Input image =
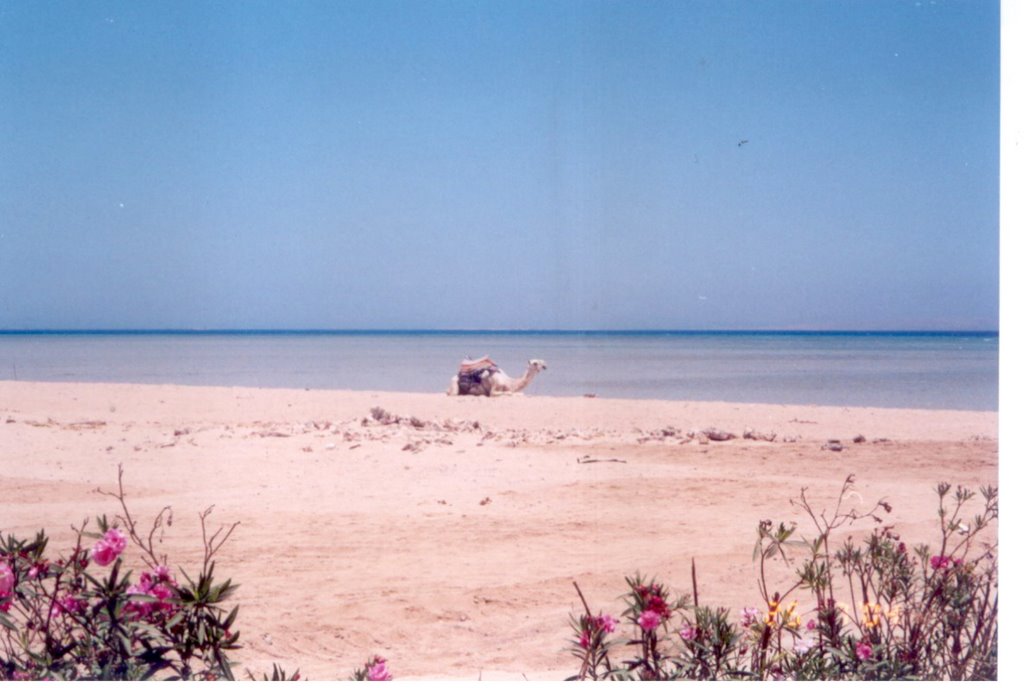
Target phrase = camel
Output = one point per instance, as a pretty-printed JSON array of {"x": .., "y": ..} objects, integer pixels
[{"x": 483, "y": 377}]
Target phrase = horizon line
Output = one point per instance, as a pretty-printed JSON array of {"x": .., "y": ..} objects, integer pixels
[{"x": 497, "y": 331}]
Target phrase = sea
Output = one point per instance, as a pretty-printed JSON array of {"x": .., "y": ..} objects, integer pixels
[{"x": 927, "y": 370}]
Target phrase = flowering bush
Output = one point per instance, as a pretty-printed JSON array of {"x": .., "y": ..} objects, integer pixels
[
  {"x": 876, "y": 610},
  {"x": 82, "y": 616},
  {"x": 376, "y": 669}
]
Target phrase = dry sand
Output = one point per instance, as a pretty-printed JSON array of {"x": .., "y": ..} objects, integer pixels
[{"x": 449, "y": 543}]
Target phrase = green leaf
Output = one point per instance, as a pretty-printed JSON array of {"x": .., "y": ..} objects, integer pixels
[{"x": 231, "y": 617}]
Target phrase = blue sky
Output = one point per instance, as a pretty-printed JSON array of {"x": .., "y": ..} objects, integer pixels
[{"x": 500, "y": 164}]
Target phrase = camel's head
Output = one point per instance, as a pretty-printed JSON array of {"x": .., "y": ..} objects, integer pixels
[{"x": 537, "y": 365}]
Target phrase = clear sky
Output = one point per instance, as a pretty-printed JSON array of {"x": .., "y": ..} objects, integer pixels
[{"x": 669, "y": 165}]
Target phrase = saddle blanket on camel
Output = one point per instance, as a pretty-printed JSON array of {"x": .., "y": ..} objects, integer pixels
[{"x": 473, "y": 372}]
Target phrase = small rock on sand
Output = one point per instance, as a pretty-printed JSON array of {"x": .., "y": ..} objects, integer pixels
[
  {"x": 751, "y": 434},
  {"x": 717, "y": 435}
]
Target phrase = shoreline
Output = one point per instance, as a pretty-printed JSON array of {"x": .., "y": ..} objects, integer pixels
[
  {"x": 445, "y": 532},
  {"x": 637, "y": 399}
]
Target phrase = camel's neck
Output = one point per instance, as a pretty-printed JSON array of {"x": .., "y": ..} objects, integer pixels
[{"x": 520, "y": 383}]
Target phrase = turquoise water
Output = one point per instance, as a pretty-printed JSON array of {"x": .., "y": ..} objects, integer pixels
[{"x": 949, "y": 371}]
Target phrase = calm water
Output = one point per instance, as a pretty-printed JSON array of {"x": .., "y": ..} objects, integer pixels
[{"x": 954, "y": 371}]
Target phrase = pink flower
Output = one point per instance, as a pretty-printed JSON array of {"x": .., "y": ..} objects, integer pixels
[
  {"x": 748, "y": 616},
  {"x": 161, "y": 591},
  {"x": 158, "y": 583},
  {"x": 160, "y": 574},
  {"x": 109, "y": 548},
  {"x": 604, "y": 623},
  {"x": 658, "y": 605},
  {"x": 940, "y": 563},
  {"x": 102, "y": 553},
  {"x": 138, "y": 609},
  {"x": 67, "y": 604},
  {"x": 649, "y": 620},
  {"x": 378, "y": 670},
  {"x": 116, "y": 539},
  {"x": 688, "y": 632},
  {"x": 863, "y": 650},
  {"x": 37, "y": 570},
  {"x": 6, "y": 579},
  {"x": 811, "y": 625}
]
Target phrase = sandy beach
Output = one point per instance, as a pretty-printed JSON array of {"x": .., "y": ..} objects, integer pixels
[{"x": 445, "y": 533}]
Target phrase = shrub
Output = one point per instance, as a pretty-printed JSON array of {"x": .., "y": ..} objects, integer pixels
[
  {"x": 879, "y": 610},
  {"x": 84, "y": 616}
]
